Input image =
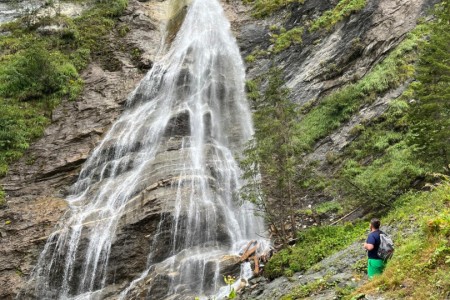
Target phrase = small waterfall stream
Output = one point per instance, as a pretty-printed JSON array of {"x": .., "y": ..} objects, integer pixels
[{"x": 182, "y": 129}]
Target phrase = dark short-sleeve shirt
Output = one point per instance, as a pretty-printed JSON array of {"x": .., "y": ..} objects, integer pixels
[{"x": 374, "y": 239}]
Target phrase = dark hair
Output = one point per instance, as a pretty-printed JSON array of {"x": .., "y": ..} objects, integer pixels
[{"x": 375, "y": 223}]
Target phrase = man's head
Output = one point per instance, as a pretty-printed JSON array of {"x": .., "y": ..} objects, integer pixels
[{"x": 375, "y": 224}]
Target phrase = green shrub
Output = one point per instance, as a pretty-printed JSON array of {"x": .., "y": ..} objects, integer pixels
[
  {"x": 342, "y": 10},
  {"x": 329, "y": 207},
  {"x": 2, "y": 197},
  {"x": 250, "y": 58},
  {"x": 313, "y": 245},
  {"x": 252, "y": 90},
  {"x": 286, "y": 38},
  {"x": 19, "y": 123},
  {"x": 31, "y": 74},
  {"x": 264, "y": 8}
]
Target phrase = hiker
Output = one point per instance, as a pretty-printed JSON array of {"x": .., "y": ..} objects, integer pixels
[{"x": 375, "y": 264}]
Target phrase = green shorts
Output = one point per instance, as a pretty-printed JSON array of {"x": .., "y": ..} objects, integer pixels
[{"x": 375, "y": 267}]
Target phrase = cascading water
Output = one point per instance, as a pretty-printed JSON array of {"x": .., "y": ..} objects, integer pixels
[{"x": 173, "y": 151}]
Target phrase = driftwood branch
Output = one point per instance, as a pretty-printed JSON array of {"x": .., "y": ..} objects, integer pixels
[{"x": 337, "y": 221}]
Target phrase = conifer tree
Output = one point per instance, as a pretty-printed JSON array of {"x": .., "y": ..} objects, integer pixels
[
  {"x": 270, "y": 160},
  {"x": 430, "y": 115}
]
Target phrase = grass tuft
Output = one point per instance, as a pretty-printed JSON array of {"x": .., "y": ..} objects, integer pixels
[{"x": 342, "y": 10}]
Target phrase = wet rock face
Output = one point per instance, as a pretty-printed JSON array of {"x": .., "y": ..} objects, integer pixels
[{"x": 23, "y": 230}]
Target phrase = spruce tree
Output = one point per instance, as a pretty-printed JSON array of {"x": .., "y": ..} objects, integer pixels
[
  {"x": 270, "y": 160},
  {"x": 430, "y": 115}
]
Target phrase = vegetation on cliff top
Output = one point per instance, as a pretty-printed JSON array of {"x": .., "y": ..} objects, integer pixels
[{"x": 39, "y": 69}]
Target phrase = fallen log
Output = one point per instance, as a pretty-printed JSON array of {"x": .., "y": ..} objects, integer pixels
[
  {"x": 249, "y": 252},
  {"x": 256, "y": 260}
]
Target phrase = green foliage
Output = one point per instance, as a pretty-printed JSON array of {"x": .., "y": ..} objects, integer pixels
[
  {"x": 285, "y": 38},
  {"x": 95, "y": 25},
  {"x": 430, "y": 115},
  {"x": 313, "y": 245},
  {"x": 250, "y": 58},
  {"x": 34, "y": 73},
  {"x": 342, "y": 10},
  {"x": 19, "y": 124},
  {"x": 270, "y": 160},
  {"x": 252, "y": 90},
  {"x": 2, "y": 197},
  {"x": 381, "y": 181},
  {"x": 37, "y": 71},
  {"x": 264, "y": 8},
  {"x": 360, "y": 266},
  {"x": 257, "y": 53},
  {"x": 329, "y": 207},
  {"x": 229, "y": 280}
]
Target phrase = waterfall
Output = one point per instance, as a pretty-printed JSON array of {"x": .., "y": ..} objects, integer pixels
[{"x": 170, "y": 155}]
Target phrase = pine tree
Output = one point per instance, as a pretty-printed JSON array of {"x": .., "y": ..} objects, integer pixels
[
  {"x": 430, "y": 116},
  {"x": 270, "y": 160}
]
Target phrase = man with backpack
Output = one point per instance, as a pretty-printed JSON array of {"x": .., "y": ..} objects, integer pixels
[{"x": 379, "y": 249}]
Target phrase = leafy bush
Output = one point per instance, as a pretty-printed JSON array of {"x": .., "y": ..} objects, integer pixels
[
  {"x": 313, "y": 245},
  {"x": 342, "y": 10},
  {"x": 34, "y": 73},
  {"x": 19, "y": 123},
  {"x": 285, "y": 38},
  {"x": 264, "y": 8},
  {"x": 329, "y": 207}
]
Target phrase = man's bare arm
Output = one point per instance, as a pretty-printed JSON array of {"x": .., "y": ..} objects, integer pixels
[{"x": 368, "y": 246}]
